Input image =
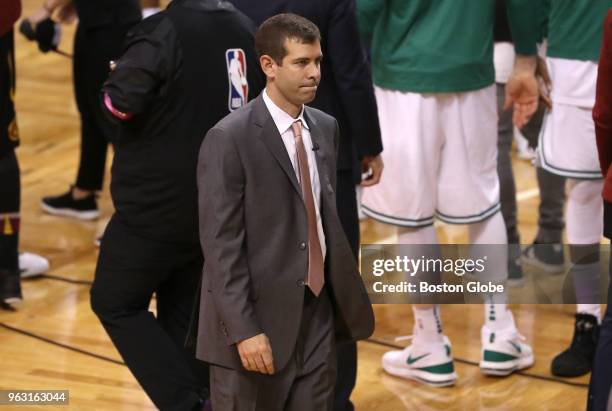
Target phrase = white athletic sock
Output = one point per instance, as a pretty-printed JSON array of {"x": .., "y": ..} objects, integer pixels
[
  {"x": 491, "y": 231},
  {"x": 421, "y": 242},
  {"x": 498, "y": 317},
  {"x": 592, "y": 309},
  {"x": 427, "y": 325}
]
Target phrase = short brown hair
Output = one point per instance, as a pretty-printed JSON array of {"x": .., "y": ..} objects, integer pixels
[{"x": 271, "y": 35}]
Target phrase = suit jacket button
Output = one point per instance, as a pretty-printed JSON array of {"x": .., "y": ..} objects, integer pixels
[
  {"x": 302, "y": 245},
  {"x": 300, "y": 283}
]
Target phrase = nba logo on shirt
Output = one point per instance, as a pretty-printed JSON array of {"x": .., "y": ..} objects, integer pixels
[{"x": 236, "y": 74}]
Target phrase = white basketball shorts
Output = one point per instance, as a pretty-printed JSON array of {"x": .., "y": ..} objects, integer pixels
[{"x": 440, "y": 155}]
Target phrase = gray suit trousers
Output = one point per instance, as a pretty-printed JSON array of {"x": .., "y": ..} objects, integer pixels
[{"x": 305, "y": 384}]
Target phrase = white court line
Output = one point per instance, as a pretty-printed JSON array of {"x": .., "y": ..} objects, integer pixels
[{"x": 527, "y": 194}]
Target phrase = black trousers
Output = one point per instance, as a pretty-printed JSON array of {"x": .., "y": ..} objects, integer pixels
[
  {"x": 9, "y": 133},
  {"x": 346, "y": 203},
  {"x": 601, "y": 374},
  {"x": 9, "y": 168},
  {"x": 9, "y": 211},
  {"x": 306, "y": 383},
  {"x": 130, "y": 270},
  {"x": 94, "y": 48}
]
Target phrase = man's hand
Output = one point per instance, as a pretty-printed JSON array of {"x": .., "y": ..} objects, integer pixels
[
  {"x": 67, "y": 14},
  {"x": 374, "y": 165},
  {"x": 522, "y": 91},
  {"x": 47, "y": 9},
  {"x": 256, "y": 354},
  {"x": 38, "y": 16}
]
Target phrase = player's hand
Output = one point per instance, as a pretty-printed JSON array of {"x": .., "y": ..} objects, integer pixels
[
  {"x": 256, "y": 354},
  {"x": 374, "y": 166},
  {"x": 67, "y": 14},
  {"x": 46, "y": 11},
  {"x": 38, "y": 16},
  {"x": 522, "y": 90}
]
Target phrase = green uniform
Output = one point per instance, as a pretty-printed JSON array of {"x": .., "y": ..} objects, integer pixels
[
  {"x": 436, "y": 46},
  {"x": 575, "y": 28}
]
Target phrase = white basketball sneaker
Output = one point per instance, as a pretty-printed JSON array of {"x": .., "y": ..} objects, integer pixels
[
  {"x": 504, "y": 352},
  {"x": 431, "y": 364}
]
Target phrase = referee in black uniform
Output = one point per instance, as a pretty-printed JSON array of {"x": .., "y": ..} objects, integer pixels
[
  {"x": 182, "y": 70},
  {"x": 102, "y": 25},
  {"x": 10, "y": 285}
]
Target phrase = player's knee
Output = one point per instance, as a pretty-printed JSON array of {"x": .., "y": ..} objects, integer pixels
[{"x": 585, "y": 192}]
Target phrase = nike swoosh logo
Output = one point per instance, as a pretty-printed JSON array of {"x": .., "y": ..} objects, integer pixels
[
  {"x": 413, "y": 360},
  {"x": 516, "y": 346}
]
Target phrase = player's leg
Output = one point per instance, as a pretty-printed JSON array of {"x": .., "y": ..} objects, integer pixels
[
  {"x": 584, "y": 231},
  {"x": 406, "y": 197},
  {"x": 469, "y": 194}
]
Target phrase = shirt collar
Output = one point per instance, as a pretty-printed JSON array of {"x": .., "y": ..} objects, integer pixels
[{"x": 282, "y": 119}]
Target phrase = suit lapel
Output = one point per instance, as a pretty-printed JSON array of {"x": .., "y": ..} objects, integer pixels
[
  {"x": 318, "y": 140},
  {"x": 273, "y": 141}
]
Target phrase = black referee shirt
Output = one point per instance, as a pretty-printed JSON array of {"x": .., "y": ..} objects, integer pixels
[{"x": 182, "y": 70}]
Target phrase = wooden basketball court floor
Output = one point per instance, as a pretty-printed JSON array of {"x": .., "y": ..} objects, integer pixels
[{"x": 54, "y": 341}]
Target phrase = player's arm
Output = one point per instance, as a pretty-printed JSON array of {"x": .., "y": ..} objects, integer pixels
[
  {"x": 602, "y": 112},
  {"x": 141, "y": 74},
  {"x": 522, "y": 90}
]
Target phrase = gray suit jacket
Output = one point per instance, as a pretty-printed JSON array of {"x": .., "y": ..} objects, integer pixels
[{"x": 253, "y": 230}]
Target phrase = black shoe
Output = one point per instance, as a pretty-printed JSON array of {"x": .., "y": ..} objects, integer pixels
[
  {"x": 515, "y": 273},
  {"x": 577, "y": 360},
  {"x": 549, "y": 258},
  {"x": 10, "y": 287},
  {"x": 65, "y": 205}
]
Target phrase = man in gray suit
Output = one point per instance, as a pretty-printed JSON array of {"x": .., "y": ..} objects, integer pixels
[{"x": 280, "y": 284}]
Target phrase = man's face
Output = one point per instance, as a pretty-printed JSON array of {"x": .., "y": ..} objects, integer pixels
[{"x": 298, "y": 76}]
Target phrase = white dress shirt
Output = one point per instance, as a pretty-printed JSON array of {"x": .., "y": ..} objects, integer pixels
[{"x": 283, "y": 122}]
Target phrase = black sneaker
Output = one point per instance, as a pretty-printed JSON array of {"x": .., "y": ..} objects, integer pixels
[
  {"x": 549, "y": 258},
  {"x": 578, "y": 358},
  {"x": 10, "y": 287},
  {"x": 65, "y": 205},
  {"x": 515, "y": 273}
]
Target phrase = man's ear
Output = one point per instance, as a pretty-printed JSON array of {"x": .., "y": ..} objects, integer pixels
[{"x": 268, "y": 66}]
